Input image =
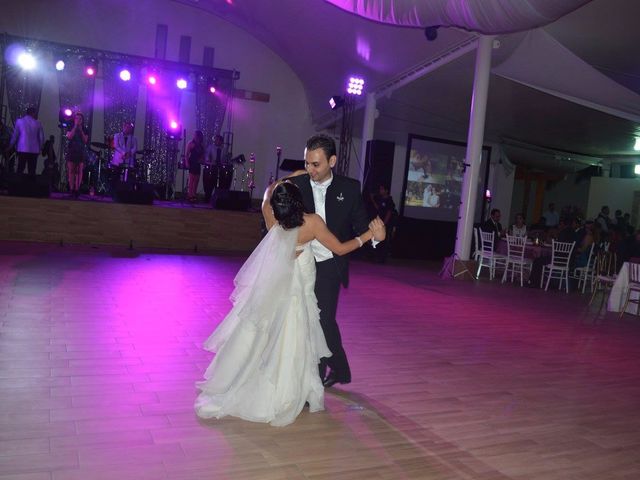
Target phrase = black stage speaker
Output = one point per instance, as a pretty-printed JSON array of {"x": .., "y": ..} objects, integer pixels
[
  {"x": 24, "y": 185},
  {"x": 230, "y": 200},
  {"x": 378, "y": 165},
  {"x": 137, "y": 193}
]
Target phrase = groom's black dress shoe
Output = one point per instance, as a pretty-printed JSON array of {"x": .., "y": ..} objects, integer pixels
[{"x": 330, "y": 380}]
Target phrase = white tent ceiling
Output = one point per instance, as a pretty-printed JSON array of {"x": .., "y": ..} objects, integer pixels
[{"x": 324, "y": 44}]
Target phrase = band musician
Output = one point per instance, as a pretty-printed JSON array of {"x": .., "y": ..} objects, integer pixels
[
  {"x": 213, "y": 161},
  {"x": 125, "y": 146}
]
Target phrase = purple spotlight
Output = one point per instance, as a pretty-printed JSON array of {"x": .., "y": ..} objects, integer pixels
[
  {"x": 152, "y": 79},
  {"x": 67, "y": 112},
  {"x": 173, "y": 125},
  {"x": 125, "y": 75},
  {"x": 181, "y": 83},
  {"x": 212, "y": 89},
  {"x": 90, "y": 71}
]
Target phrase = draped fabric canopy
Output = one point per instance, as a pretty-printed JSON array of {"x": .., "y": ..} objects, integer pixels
[{"x": 483, "y": 16}]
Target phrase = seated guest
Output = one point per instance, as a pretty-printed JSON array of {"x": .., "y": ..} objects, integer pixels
[
  {"x": 584, "y": 240},
  {"x": 519, "y": 229},
  {"x": 492, "y": 224},
  {"x": 629, "y": 248}
]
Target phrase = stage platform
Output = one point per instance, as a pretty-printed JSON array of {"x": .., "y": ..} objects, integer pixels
[{"x": 95, "y": 220}]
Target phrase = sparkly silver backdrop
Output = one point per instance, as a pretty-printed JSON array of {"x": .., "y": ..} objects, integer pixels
[
  {"x": 210, "y": 108},
  {"x": 76, "y": 88},
  {"x": 23, "y": 89},
  {"x": 120, "y": 98},
  {"x": 160, "y": 104}
]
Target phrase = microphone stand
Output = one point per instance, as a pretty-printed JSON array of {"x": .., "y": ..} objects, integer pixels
[{"x": 278, "y": 154}]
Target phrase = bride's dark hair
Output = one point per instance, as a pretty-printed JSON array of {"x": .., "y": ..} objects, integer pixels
[{"x": 286, "y": 201}]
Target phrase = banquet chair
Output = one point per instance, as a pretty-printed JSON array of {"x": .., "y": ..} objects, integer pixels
[
  {"x": 488, "y": 257},
  {"x": 585, "y": 274},
  {"x": 559, "y": 266},
  {"x": 516, "y": 263},
  {"x": 476, "y": 244},
  {"x": 604, "y": 275},
  {"x": 634, "y": 286}
]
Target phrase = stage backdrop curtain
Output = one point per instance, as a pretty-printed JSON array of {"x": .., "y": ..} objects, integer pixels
[
  {"x": 23, "y": 88},
  {"x": 76, "y": 88},
  {"x": 120, "y": 97},
  {"x": 483, "y": 16},
  {"x": 211, "y": 108},
  {"x": 163, "y": 105}
]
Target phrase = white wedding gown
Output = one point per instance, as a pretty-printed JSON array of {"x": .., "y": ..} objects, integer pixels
[{"x": 269, "y": 345}]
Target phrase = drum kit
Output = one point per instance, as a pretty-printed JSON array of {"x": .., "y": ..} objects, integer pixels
[{"x": 102, "y": 175}]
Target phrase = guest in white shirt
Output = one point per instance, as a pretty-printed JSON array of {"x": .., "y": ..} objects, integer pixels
[
  {"x": 519, "y": 229},
  {"x": 551, "y": 216},
  {"x": 28, "y": 137}
]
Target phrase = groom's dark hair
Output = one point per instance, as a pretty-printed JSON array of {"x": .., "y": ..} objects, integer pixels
[
  {"x": 325, "y": 142},
  {"x": 288, "y": 208}
]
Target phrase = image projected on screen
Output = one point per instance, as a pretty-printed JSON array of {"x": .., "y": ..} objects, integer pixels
[{"x": 434, "y": 173}]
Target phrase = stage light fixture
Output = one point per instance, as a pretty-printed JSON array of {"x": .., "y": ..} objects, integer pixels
[
  {"x": 27, "y": 61},
  {"x": 174, "y": 129},
  {"x": 125, "y": 75},
  {"x": 336, "y": 102},
  {"x": 65, "y": 117},
  {"x": 355, "y": 86},
  {"x": 212, "y": 89},
  {"x": 181, "y": 83},
  {"x": 91, "y": 68},
  {"x": 152, "y": 79},
  {"x": 60, "y": 65}
]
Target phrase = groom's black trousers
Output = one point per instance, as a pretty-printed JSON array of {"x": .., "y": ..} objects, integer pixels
[{"x": 327, "y": 290}]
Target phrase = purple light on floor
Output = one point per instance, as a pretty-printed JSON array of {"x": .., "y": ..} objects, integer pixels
[
  {"x": 181, "y": 83},
  {"x": 90, "y": 71},
  {"x": 125, "y": 75},
  {"x": 355, "y": 86},
  {"x": 67, "y": 112}
]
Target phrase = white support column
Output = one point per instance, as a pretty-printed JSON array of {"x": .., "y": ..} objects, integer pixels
[
  {"x": 367, "y": 130},
  {"x": 475, "y": 139}
]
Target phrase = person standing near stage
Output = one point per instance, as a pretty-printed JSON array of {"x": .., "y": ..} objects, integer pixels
[
  {"x": 50, "y": 171},
  {"x": 28, "y": 137},
  {"x": 194, "y": 157},
  {"x": 76, "y": 154},
  {"x": 338, "y": 200}
]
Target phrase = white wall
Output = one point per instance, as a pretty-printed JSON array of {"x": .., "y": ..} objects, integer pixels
[
  {"x": 617, "y": 193},
  {"x": 129, "y": 27}
]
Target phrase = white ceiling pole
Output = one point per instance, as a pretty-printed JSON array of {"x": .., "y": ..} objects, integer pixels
[
  {"x": 475, "y": 139},
  {"x": 367, "y": 131}
]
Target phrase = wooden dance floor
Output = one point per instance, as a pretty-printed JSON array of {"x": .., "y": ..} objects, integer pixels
[{"x": 100, "y": 350}]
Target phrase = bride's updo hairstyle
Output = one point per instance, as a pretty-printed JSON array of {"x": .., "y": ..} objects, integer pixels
[{"x": 286, "y": 201}]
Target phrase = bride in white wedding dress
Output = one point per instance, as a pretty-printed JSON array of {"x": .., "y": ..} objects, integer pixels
[{"x": 269, "y": 345}]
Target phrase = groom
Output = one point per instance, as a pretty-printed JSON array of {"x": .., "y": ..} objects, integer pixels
[{"x": 338, "y": 201}]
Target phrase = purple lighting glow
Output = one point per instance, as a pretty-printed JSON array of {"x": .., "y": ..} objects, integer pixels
[
  {"x": 60, "y": 65},
  {"x": 152, "y": 79},
  {"x": 91, "y": 71},
  {"x": 181, "y": 83},
  {"x": 355, "y": 86},
  {"x": 67, "y": 112},
  {"x": 173, "y": 125},
  {"x": 212, "y": 89},
  {"x": 125, "y": 75}
]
